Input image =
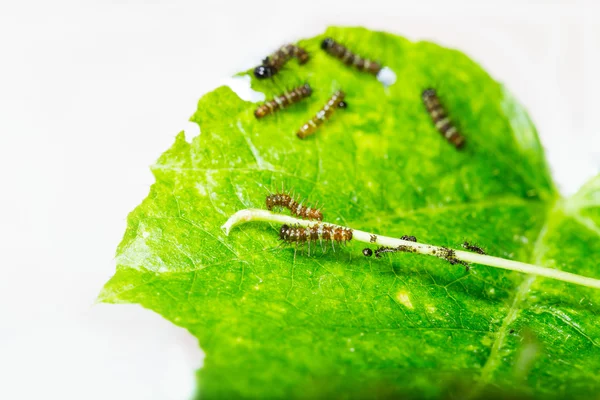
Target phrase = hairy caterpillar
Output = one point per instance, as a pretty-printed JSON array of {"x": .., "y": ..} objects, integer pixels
[
  {"x": 337, "y": 100},
  {"x": 440, "y": 118},
  {"x": 283, "y": 100},
  {"x": 473, "y": 248},
  {"x": 349, "y": 58},
  {"x": 272, "y": 64},
  {"x": 296, "y": 208},
  {"x": 316, "y": 233}
]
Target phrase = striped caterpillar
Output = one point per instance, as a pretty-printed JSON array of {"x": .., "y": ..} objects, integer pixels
[
  {"x": 349, "y": 58},
  {"x": 283, "y": 100},
  {"x": 309, "y": 128},
  {"x": 272, "y": 64},
  {"x": 297, "y": 209},
  {"x": 441, "y": 120},
  {"x": 316, "y": 233}
]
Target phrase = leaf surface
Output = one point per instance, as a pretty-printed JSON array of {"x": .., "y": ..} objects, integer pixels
[{"x": 276, "y": 323}]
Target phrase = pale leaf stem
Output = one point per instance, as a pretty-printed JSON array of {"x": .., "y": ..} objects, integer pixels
[{"x": 249, "y": 215}]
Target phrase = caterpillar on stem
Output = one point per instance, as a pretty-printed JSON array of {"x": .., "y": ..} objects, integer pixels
[
  {"x": 316, "y": 233},
  {"x": 286, "y": 200},
  {"x": 474, "y": 248},
  {"x": 249, "y": 215}
]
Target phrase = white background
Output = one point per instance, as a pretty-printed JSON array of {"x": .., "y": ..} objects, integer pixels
[{"x": 92, "y": 93}]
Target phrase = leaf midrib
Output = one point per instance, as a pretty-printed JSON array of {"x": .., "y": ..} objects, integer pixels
[{"x": 520, "y": 296}]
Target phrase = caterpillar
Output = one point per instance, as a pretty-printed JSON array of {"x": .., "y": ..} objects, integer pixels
[
  {"x": 316, "y": 233},
  {"x": 473, "y": 248},
  {"x": 349, "y": 58},
  {"x": 440, "y": 118},
  {"x": 272, "y": 64},
  {"x": 450, "y": 256},
  {"x": 283, "y": 100},
  {"x": 409, "y": 238},
  {"x": 367, "y": 252},
  {"x": 309, "y": 128},
  {"x": 379, "y": 251},
  {"x": 296, "y": 208}
]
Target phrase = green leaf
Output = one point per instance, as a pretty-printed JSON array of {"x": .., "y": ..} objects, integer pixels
[{"x": 276, "y": 323}]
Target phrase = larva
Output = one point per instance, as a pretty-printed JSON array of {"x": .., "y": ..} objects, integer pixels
[
  {"x": 349, "y": 58},
  {"x": 473, "y": 248},
  {"x": 272, "y": 64},
  {"x": 379, "y": 251},
  {"x": 296, "y": 208},
  {"x": 383, "y": 249},
  {"x": 450, "y": 256},
  {"x": 440, "y": 118},
  {"x": 311, "y": 126},
  {"x": 316, "y": 233},
  {"x": 367, "y": 252},
  {"x": 283, "y": 100}
]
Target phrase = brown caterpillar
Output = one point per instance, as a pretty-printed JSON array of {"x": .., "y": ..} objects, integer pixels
[
  {"x": 473, "y": 248},
  {"x": 309, "y": 128},
  {"x": 316, "y": 233},
  {"x": 283, "y": 100},
  {"x": 440, "y": 119},
  {"x": 272, "y": 64},
  {"x": 296, "y": 208},
  {"x": 349, "y": 58}
]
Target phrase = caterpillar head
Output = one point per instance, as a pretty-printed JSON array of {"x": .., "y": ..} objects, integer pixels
[
  {"x": 327, "y": 43},
  {"x": 284, "y": 232},
  {"x": 428, "y": 93},
  {"x": 264, "y": 71}
]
